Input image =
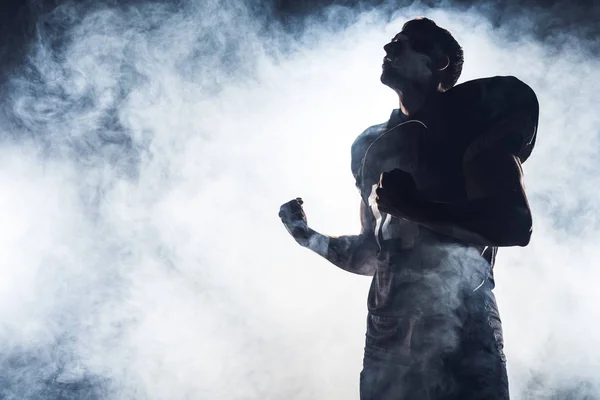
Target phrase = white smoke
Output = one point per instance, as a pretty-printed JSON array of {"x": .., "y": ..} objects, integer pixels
[{"x": 146, "y": 150}]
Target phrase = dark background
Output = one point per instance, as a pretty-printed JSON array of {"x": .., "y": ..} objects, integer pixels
[{"x": 574, "y": 18}]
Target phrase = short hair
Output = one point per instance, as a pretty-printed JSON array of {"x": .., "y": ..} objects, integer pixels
[{"x": 425, "y": 29}]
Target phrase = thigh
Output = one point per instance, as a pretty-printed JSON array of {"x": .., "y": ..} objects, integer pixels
[
  {"x": 480, "y": 367},
  {"x": 381, "y": 380},
  {"x": 482, "y": 376}
]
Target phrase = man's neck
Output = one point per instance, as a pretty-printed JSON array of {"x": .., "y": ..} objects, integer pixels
[
  {"x": 417, "y": 103},
  {"x": 413, "y": 100}
]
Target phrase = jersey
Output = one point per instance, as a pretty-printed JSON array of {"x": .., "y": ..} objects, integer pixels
[{"x": 431, "y": 148}]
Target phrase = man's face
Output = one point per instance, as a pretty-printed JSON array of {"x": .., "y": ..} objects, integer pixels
[{"x": 407, "y": 63}]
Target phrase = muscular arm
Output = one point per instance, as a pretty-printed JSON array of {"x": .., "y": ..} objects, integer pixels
[
  {"x": 499, "y": 218},
  {"x": 353, "y": 253},
  {"x": 356, "y": 253},
  {"x": 496, "y": 211}
]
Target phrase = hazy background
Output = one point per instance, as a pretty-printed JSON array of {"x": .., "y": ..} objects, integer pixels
[{"x": 145, "y": 149}]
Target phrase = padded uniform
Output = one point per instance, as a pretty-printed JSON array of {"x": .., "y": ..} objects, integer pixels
[{"x": 433, "y": 328}]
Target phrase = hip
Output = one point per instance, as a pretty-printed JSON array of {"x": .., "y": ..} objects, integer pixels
[{"x": 412, "y": 335}]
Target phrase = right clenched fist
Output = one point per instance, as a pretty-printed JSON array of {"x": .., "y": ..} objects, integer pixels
[{"x": 294, "y": 219}]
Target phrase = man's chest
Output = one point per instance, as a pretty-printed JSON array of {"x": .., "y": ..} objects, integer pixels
[{"x": 433, "y": 160}]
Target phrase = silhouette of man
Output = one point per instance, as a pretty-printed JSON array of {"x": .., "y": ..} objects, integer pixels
[{"x": 441, "y": 187}]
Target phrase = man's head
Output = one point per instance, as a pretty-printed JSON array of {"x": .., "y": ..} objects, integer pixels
[{"x": 423, "y": 57}]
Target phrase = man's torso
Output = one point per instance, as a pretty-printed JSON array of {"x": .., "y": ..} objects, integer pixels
[
  {"x": 433, "y": 325},
  {"x": 413, "y": 258}
]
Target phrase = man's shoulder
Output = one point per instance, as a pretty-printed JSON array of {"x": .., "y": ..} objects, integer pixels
[
  {"x": 362, "y": 143},
  {"x": 369, "y": 135}
]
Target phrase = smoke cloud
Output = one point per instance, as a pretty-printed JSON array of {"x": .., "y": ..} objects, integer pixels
[{"x": 145, "y": 151}]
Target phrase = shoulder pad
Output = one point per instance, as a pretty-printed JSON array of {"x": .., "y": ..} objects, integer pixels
[{"x": 360, "y": 146}]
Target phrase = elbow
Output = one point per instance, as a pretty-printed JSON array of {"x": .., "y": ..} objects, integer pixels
[
  {"x": 516, "y": 235},
  {"x": 525, "y": 230},
  {"x": 509, "y": 230},
  {"x": 369, "y": 270},
  {"x": 361, "y": 262},
  {"x": 511, "y": 241},
  {"x": 523, "y": 239},
  {"x": 518, "y": 228},
  {"x": 366, "y": 269}
]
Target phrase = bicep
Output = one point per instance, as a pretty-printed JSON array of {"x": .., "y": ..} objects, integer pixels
[
  {"x": 494, "y": 183},
  {"x": 491, "y": 164},
  {"x": 492, "y": 173},
  {"x": 498, "y": 178}
]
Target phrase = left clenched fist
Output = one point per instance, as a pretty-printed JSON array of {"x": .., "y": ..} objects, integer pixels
[{"x": 294, "y": 219}]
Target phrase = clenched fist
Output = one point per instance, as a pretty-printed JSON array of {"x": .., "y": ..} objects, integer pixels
[
  {"x": 397, "y": 195},
  {"x": 294, "y": 219}
]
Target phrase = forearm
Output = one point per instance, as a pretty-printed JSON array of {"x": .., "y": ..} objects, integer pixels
[
  {"x": 482, "y": 222},
  {"x": 354, "y": 253}
]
